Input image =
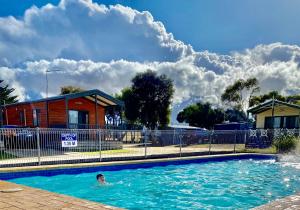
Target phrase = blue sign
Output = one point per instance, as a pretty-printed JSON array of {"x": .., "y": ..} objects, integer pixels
[{"x": 69, "y": 139}]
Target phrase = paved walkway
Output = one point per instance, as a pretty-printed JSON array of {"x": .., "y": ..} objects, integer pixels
[
  {"x": 35, "y": 199},
  {"x": 288, "y": 203}
]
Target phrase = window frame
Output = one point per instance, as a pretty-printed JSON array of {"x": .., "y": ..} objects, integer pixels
[
  {"x": 22, "y": 117},
  {"x": 283, "y": 122},
  {"x": 87, "y": 115},
  {"x": 36, "y": 114}
]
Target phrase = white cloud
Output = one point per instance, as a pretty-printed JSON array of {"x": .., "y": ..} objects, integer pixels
[
  {"x": 101, "y": 47},
  {"x": 192, "y": 81},
  {"x": 10, "y": 77},
  {"x": 80, "y": 29}
]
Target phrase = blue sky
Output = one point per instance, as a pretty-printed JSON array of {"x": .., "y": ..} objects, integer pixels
[
  {"x": 98, "y": 47},
  {"x": 216, "y": 25}
]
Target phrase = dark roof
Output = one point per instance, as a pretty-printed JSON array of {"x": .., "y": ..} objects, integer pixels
[
  {"x": 268, "y": 105},
  {"x": 102, "y": 98}
]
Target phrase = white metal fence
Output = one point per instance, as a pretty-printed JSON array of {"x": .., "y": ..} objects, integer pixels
[{"x": 28, "y": 146}]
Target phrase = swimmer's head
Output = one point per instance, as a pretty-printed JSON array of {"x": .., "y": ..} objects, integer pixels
[{"x": 100, "y": 178}]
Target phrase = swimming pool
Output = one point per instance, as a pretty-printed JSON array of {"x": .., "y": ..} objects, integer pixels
[{"x": 232, "y": 183}]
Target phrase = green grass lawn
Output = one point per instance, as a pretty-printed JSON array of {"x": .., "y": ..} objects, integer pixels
[
  {"x": 270, "y": 150},
  {"x": 225, "y": 146},
  {"x": 238, "y": 148},
  {"x": 4, "y": 155},
  {"x": 115, "y": 151}
]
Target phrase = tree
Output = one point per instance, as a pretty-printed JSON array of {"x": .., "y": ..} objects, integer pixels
[
  {"x": 234, "y": 115},
  {"x": 148, "y": 100},
  {"x": 236, "y": 95},
  {"x": 6, "y": 94},
  {"x": 201, "y": 115},
  {"x": 262, "y": 98},
  {"x": 70, "y": 89},
  {"x": 131, "y": 105},
  {"x": 276, "y": 95},
  {"x": 153, "y": 94},
  {"x": 6, "y": 97},
  {"x": 293, "y": 99}
]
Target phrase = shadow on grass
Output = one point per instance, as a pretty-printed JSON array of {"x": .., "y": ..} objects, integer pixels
[
  {"x": 269, "y": 150},
  {"x": 116, "y": 151},
  {"x": 4, "y": 155}
]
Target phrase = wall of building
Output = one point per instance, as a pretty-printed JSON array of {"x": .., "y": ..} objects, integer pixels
[
  {"x": 56, "y": 112},
  {"x": 12, "y": 113},
  {"x": 278, "y": 111}
]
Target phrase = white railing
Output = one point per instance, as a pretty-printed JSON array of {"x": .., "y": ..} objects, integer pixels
[{"x": 36, "y": 146}]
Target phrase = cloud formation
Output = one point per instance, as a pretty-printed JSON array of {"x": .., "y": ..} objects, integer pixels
[
  {"x": 81, "y": 29},
  {"x": 192, "y": 81},
  {"x": 104, "y": 47}
]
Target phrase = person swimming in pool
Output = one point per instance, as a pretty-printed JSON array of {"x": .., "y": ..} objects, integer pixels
[{"x": 100, "y": 178}]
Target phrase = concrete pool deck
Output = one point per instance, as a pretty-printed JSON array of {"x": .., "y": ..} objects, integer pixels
[
  {"x": 288, "y": 203},
  {"x": 28, "y": 198}
]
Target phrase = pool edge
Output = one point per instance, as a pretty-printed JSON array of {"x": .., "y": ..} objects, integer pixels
[
  {"x": 129, "y": 162},
  {"x": 291, "y": 202}
]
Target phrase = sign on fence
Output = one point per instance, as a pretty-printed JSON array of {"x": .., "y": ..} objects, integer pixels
[{"x": 69, "y": 139}]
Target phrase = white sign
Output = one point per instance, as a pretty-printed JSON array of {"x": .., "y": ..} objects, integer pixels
[{"x": 69, "y": 140}]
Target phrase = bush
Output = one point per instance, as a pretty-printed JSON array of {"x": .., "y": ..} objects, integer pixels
[{"x": 285, "y": 143}]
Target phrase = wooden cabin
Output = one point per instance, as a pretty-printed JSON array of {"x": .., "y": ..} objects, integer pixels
[
  {"x": 274, "y": 114},
  {"x": 76, "y": 110}
]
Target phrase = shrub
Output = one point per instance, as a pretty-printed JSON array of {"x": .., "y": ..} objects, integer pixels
[{"x": 285, "y": 143}]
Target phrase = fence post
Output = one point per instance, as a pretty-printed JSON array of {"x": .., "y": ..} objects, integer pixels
[
  {"x": 0, "y": 133},
  {"x": 278, "y": 150},
  {"x": 174, "y": 135},
  {"x": 210, "y": 139},
  {"x": 180, "y": 142},
  {"x": 100, "y": 146},
  {"x": 245, "y": 137},
  {"x": 38, "y": 145},
  {"x": 235, "y": 138},
  {"x": 145, "y": 141}
]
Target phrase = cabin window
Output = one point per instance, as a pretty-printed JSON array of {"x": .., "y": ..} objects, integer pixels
[
  {"x": 269, "y": 125},
  {"x": 78, "y": 119},
  {"x": 73, "y": 117},
  {"x": 22, "y": 118},
  {"x": 282, "y": 122},
  {"x": 36, "y": 117},
  {"x": 277, "y": 122},
  {"x": 292, "y": 122}
]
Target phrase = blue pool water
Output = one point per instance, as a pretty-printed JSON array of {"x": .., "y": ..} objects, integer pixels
[{"x": 232, "y": 184}]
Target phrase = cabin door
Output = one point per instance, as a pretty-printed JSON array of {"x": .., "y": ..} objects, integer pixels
[{"x": 83, "y": 118}]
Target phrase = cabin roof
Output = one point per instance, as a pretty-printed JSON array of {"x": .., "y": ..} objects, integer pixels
[
  {"x": 268, "y": 105},
  {"x": 102, "y": 98}
]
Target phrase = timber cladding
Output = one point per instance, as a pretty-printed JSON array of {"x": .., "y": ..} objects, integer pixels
[
  {"x": 13, "y": 114},
  {"x": 22, "y": 114}
]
